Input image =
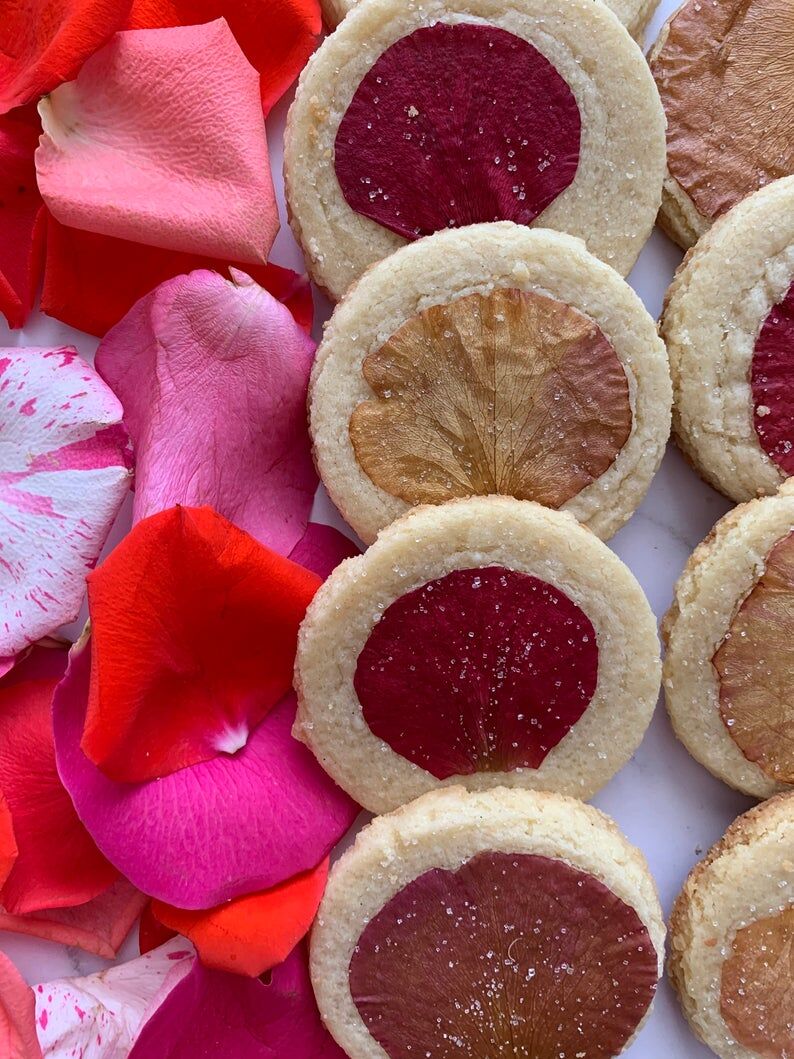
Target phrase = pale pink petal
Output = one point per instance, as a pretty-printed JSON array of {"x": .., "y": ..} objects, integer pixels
[
  {"x": 161, "y": 140},
  {"x": 101, "y": 1015},
  {"x": 213, "y": 374},
  {"x": 64, "y": 470},
  {"x": 17, "y": 1017}
]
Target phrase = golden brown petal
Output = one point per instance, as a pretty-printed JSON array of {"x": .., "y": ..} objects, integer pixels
[
  {"x": 726, "y": 78},
  {"x": 510, "y": 392},
  {"x": 757, "y": 994},
  {"x": 755, "y": 665}
]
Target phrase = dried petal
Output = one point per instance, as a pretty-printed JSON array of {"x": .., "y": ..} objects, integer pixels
[
  {"x": 63, "y": 474},
  {"x": 772, "y": 381},
  {"x": 512, "y": 393},
  {"x": 22, "y": 215},
  {"x": 213, "y": 377},
  {"x": 167, "y": 122},
  {"x": 17, "y": 1024}
]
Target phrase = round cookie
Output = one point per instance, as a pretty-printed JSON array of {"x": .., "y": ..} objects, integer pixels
[
  {"x": 729, "y": 665},
  {"x": 728, "y": 323},
  {"x": 490, "y": 359},
  {"x": 489, "y": 642},
  {"x": 725, "y": 73},
  {"x": 732, "y": 935},
  {"x": 414, "y": 118},
  {"x": 493, "y": 923}
]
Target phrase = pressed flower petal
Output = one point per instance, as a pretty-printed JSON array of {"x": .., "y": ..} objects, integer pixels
[
  {"x": 211, "y": 1013},
  {"x": 63, "y": 474},
  {"x": 252, "y": 933},
  {"x": 194, "y": 629},
  {"x": 101, "y": 1015},
  {"x": 17, "y": 1018},
  {"x": 277, "y": 36},
  {"x": 160, "y": 140},
  {"x": 22, "y": 215},
  {"x": 213, "y": 377},
  {"x": 243, "y": 823},
  {"x": 45, "y": 42},
  {"x": 91, "y": 281}
]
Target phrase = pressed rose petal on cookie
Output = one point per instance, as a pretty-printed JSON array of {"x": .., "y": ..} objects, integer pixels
[
  {"x": 22, "y": 215},
  {"x": 17, "y": 1015},
  {"x": 161, "y": 140}
]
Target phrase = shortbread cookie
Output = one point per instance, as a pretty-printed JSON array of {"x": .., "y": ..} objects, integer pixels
[
  {"x": 732, "y": 938},
  {"x": 725, "y": 72},
  {"x": 729, "y": 327},
  {"x": 729, "y": 668},
  {"x": 412, "y": 118},
  {"x": 497, "y": 923},
  {"x": 487, "y": 642},
  {"x": 491, "y": 359}
]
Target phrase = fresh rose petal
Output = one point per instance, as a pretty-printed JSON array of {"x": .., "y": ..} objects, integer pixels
[
  {"x": 8, "y": 844},
  {"x": 194, "y": 628},
  {"x": 63, "y": 475},
  {"x": 99, "y": 927},
  {"x": 221, "y": 1015},
  {"x": 252, "y": 933},
  {"x": 58, "y": 865},
  {"x": 213, "y": 377},
  {"x": 160, "y": 140},
  {"x": 17, "y": 1015},
  {"x": 277, "y": 36},
  {"x": 151, "y": 932},
  {"x": 101, "y": 1015},
  {"x": 45, "y": 42},
  {"x": 322, "y": 548},
  {"x": 22, "y": 215},
  {"x": 242, "y": 823},
  {"x": 91, "y": 281}
]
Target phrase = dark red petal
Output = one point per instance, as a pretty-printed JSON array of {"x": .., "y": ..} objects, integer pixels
[
  {"x": 151, "y": 932},
  {"x": 772, "y": 381},
  {"x": 22, "y": 214}
]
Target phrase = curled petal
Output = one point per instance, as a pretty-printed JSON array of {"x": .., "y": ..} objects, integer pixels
[
  {"x": 17, "y": 1015},
  {"x": 22, "y": 215},
  {"x": 213, "y": 377},
  {"x": 160, "y": 140}
]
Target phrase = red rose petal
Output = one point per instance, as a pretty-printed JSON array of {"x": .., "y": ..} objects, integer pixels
[
  {"x": 45, "y": 42},
  {"x": 8, "y": 844},
  {"x": 58, "y": 865},
  {"x": 772, "y": 382},
  {"x": 455, "y": 124},
  {"x": 91, "y": 281},
  {"x": 194, "y": 632},
  {"x": 276, "y": 36},
  {"x": 22, "y": 214},
  {"x": 17, "y": 1015},
  {"x": 480, "y": 670},
  {"x": 151, "y": 932}
]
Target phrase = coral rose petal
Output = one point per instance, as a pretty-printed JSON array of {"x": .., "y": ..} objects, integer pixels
[
  {"x": 206, "y": 834},
  {"x": 322, "y": 548},
  {"x": 194, "y": 629},
  {"x": 277, "y": 36},
  {"x": 45, "y": 42},
  {"x": 57, "y": 865},
  {"x": 22, "y": 216},
  {"x": 213, "y": 377},
  {"x": 252, "y": 933},
  {"x": 17, "y": 1015},
  {"x": 101, "y": 1015},
  {"x": 98, "y": 927},
  {"x": 63, "y": 475},
  {"x": 92, "y": 281},
  {"x": 160, "y": 140},
  {"x": 221, "y": 1015}
]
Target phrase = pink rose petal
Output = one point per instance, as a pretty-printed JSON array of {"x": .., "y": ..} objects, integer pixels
[
  {"x": 212, "y": 1013},
  {"x": 215, "y": 830},
  {"x": 161, "y": 140},
  {"x": 213, "y": 374},
  {"x": 101, "y": 1015},
  {"x": 322, "y": 548},
  {"x": 17, "y": 1025},
  {"x": 63, "y": 475}
]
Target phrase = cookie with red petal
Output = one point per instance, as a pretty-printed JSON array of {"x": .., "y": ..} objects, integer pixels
[
  {"x": 725, "y": 73},
  {"x": 493, "y": 923},
  {"x": 486, "y": 641},
  {"x": 729, "y": 667},
  {"x": 492, "y": 359},
  {"x": 732, "y": 938},
  {"x": 410, "y": 119},
  {"x": 729, "y": 327}
]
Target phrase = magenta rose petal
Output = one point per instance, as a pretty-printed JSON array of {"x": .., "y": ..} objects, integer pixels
[{"x": 322, "y": 548}]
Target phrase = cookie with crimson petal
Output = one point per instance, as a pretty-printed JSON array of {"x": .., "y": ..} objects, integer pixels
[
  {"x": 732, "y": 938},
  {"x": 725, "y": 73},
  {"x": 410, "y": 119},
  {"x": 486, "y": 641},
  {"x": 729, "y": 327},
  {"x": 729, "y": 666},
  {"x": 492, "y": 923},
  {"x": 493, "y": 359}
]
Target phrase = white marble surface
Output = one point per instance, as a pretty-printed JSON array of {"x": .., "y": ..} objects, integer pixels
[{"x": 664, "y": 801}]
